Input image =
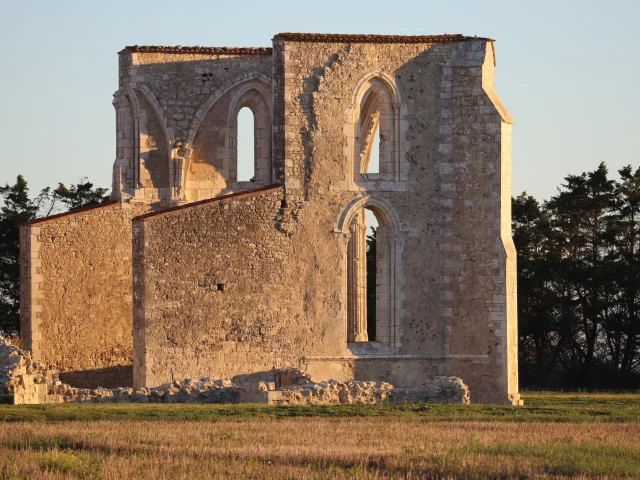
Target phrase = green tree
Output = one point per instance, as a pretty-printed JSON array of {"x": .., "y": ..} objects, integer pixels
[
  {"x": 81, "y": 195},
  {"x": 542, "y": 338},
  {"x": 622, "y": 327},
  {"x": 583, "y": 222},
  {"x": 17, "y": 208},
  {"x": 371, "y": 285},
  {"x": 578, "y": 282}
]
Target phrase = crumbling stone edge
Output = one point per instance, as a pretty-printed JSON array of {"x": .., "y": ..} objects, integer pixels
[{"x": 23, "y": 381}]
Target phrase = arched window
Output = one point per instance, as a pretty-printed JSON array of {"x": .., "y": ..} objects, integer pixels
[
  {"x": 250, "y": 139},
  {"x": 375, "y": 132},
  {"x": 372, "y": 250},
  {"x": 246, "y": 145}
]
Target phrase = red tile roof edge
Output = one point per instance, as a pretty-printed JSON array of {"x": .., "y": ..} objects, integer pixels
[
  {"x": 350, "y": 38},
  {"x": 71, "y": 212},
  {"x": 197, "y": 50},
  {"x": 202, "y": 202}
]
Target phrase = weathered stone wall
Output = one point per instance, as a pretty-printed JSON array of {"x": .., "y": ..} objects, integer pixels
[
  {"x": 174, "y": 127},
  {"x": 76, "y": 278},
  {"x": 245, "y": 283},
  {"x": 448, "y": 204},
  {"x": 23, "y": 381},
  {"x": 446, "y": 293},
  {"x": 215, "y": 291}
]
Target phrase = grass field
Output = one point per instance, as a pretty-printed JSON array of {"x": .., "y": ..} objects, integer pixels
[{"x": 553, "y": 436}]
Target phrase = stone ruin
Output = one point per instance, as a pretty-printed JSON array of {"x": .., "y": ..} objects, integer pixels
[
  {"x": 195, "y": 269},
  {"x": 23, "y": 381}
]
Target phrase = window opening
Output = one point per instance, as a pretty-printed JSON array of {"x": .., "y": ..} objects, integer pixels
[
  {"x": 362, "y": 288},
  {"x": 246, "y": 145},
  {"x": 373, "y": 165},
  {"x": 371, "y": 275}
]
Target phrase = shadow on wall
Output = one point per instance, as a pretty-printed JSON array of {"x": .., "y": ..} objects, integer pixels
[
  {"x": 110, "y": 377},
  {"x": 212, "y": 74}
]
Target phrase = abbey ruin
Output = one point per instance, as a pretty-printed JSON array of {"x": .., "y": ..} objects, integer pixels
[{"x": 192, "y": 271}]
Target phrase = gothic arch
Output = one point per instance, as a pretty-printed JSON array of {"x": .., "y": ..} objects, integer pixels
[
  {"x": 254, "y": 96},
  {"x": 153, "y": 101},
  {"x": 130, "y": 95},
  {"x": 380, "y": 206},
  {"x": 128, "y": 168},
  {"x": 218, "y": 93},
  {"x": 351, "y": 230},
  {"x": 374, "y": 104},
  {"x": 361, "y": 89},
  {"x": 125, "y": 168}
]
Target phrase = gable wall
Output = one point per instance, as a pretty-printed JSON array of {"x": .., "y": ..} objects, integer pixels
[{"x": 76, "y": 278}]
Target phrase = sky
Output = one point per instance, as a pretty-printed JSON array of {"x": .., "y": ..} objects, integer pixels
[{"x": 568, "y": 72}]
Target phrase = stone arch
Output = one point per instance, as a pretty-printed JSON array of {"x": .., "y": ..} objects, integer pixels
[
  {"x": 126, "y": 167},
  {"x": 153, "y": 101},
  {"x": 380, "y": 205},
  {"x": 218, "y": 93},
  {"x": 374, "y": 104},
  {"x": 351, "y": 229},
  {"x": 130, "y": 95},
  {"x": 254, "y": 96},
  {"x": 169, "y": 136}
]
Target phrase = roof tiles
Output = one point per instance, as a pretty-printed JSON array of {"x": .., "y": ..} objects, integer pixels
[
  {"x": 197, "y": 50},
  {"x": 349, "y": 38},
  {"x": 304, "y": 37}
]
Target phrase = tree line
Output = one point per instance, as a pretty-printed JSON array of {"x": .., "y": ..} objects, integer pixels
[
  {"x": 578, "y": 274},
  {"x": 579, "y": 282}
]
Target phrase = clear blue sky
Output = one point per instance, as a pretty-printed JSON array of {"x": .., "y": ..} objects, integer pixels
[{"x": 568, "y": 71}]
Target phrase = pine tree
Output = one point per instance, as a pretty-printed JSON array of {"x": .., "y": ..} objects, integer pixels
[{"x": 17, "y": 208}]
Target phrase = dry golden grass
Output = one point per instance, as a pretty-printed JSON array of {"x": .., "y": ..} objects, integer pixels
[
  {"x": 377, "y": 447},
  {"x": 553, "y": 436}
]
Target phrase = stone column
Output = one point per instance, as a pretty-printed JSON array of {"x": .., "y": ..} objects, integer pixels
[{"x": 357, "y": 280}]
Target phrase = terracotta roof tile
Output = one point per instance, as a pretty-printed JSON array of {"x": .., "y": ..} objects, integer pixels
[
  {"x": 349, "y": 38},
  {"x": 108, "y": 203},
  {"x": 197, "y": 49}
]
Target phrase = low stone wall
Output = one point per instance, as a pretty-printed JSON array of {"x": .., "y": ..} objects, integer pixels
[
  {"x": 437, "y": 390},
  {"x": 24, "y": 381}
]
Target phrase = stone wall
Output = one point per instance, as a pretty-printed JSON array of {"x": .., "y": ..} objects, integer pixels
[
  {"x": 446, "y": 272},
  {"x": 173, "y": 102},
  {"x": 23, "y": 381},
  {"x": 244, "y": 283},
  {"x": 445, "y": 206},
  {"x": 215, "y": 290},
  {"x": 76, "y": 278}
]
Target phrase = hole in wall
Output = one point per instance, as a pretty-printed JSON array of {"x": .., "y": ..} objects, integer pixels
[
  {"x": 372, "y": 224},
  {"x": 362, "y": 283},
  {"x": 374, "y": 155},
  {"x": 246, "y": 145}
]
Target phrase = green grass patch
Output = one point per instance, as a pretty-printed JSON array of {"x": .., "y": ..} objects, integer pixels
[
  {"x": 68, "y": 462},
  {"x": 545, "y": 407}
]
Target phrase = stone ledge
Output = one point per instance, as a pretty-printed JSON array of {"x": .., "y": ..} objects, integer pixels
[{"x": 383, "y": 356}]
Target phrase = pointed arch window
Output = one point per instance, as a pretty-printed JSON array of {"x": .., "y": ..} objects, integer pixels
[
  {"x": 376, "y": 132},
  {"x": 371, "y": 264}
]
